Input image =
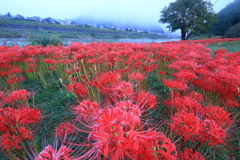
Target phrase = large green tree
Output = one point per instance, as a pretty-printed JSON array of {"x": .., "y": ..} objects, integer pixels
[{"x": 190, "y": 16}]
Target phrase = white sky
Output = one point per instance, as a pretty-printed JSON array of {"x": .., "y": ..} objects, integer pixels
[{"x": 143, "y": 11}]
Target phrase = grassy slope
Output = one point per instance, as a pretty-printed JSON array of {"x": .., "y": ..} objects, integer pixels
[
  {"x": 230, "y": 46},
  {"x": 83, "y": 31},
  {"x": 47, "y": 25}
]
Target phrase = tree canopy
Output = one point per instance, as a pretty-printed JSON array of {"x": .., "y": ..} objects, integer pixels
[
  {"x": 227, "y": 17},
  {"x": 190, "y": 16}
]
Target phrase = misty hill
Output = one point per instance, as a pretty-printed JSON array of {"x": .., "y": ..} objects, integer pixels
[
  {"x": 20, "y": 28},
  {"x": 123, "y": 23},
  {"x": 227, "y": 17}
]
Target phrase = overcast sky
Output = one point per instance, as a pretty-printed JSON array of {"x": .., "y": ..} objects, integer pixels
[{"x": 144, "y": 11}]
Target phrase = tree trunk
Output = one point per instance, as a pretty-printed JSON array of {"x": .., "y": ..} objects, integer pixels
[
  {"x": 189, "y": 34},
  {"x": 183, "y": 34}
]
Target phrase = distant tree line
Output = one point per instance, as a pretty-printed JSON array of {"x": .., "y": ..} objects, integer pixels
[{"x": 228, "y": 23}]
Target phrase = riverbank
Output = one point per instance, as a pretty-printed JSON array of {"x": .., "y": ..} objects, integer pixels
[
  {"x": 24, "y": 29},
  {"x": 67, "y": 41}
]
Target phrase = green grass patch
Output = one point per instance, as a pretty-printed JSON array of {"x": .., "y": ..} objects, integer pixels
[
  {"x": 54, "y": 104},
  {"x": 230, "y": 46}
]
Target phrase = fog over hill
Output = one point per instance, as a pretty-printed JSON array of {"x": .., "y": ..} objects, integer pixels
[{"x": 123, "y": 23}]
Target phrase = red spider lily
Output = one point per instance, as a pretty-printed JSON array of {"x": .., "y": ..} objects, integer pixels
[
  {"x": 189, "y": 154},
  {"x": 195, "y": 95},
  {"x": 132, "y": 109},
  {"x": 183, "y": 103},
  {"x": 21, "y": 116},
  {"x": 12, "y": 138},
  {"x": 165, "y": 148},
  {"x": 49, "y": 153},
  {"x": 66, "y": 61},
  {"x": 121, "y": 89},
  {"x": 49, "y": 61},
  {"x": 29, "y": 60},
  {"x": 136, "y": 76},
  {"x": 145, "y": 100},
  {"x": 68, "y": 71},
  {"x": 86, "y": 110},
  {"x": 216, "y": 113},
  {"x": 183, "y": 64},
  {"x": 14, "y": 71},
  {"x": 116, "y": 129},
  {"x": 21, "y": 94},
  {"x": 16, "y": 122},
  {"x": 9, "y": 141},
  {"x": 52, "y": 68},
  {"x": 220, "y": 50},
  {"x": 231, "y": 103},
  {"x": 105, "y": 80},
  {"x": 185, "y": 124},
  {"x": 3, "y": 73},
  {"x": 32, "y": 65},
  {"x": 30, "y": 70},
  {"x": 78, "y": 89},
  {"x": 185, "y": 74},
  {"x": 162, "y": 73},
  {"x": 65, "y": 128},
  {"x": 15, "y": 79},
  {"x": 211, "y": 132},
  {"x": 179, "y": 85},
  {"x": 150, "y": 68},
  {"x": 116, "y": 134}
]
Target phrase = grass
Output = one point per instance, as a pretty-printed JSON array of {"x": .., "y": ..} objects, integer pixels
[
  {"x": 230, "y": 46},
  {"x": 53, "y": 103}
]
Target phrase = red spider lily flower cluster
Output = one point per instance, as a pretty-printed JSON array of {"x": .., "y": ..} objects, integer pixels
[
  {"x": 189, "y": 154},
  {"x": 16, "y": 120},
  {"x": 111, "y": 84},
  {"x": 117, "y": 132},
  {"x": 50, "y": 153}
]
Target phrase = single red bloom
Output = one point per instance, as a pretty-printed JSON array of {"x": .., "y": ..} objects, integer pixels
[
  {"x": 136, "y": 76},
  {"x": 8, "y": 142},
  {"x": 78, "y": 89},
  {"x": 21, "y": 94},
  {"x": 49, "y": 61},
  {"x": 180, "y": 85},
  {"x": 145, "y": 100},
  {"x": 185, "y": 124},
  {"x": 49, "y": 153},
  {"x": 216, "y": 113},
  {"x": 189, "y": 154},
  {"x": 211, "y": 132}
]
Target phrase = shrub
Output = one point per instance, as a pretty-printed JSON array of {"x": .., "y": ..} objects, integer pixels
[
  {"x": 233, "y": 32},
  {"x": 44, "y": 39}
]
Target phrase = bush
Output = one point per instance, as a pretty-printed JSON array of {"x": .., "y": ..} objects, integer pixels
[
  {"x": 44, "y": 39},
  {"x": 233, "y": 32}
]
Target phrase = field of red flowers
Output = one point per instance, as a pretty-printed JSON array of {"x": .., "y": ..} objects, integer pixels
[{"x": 117, "y": 114}]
